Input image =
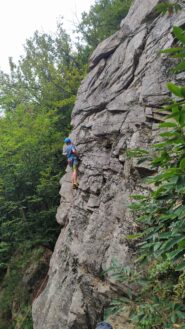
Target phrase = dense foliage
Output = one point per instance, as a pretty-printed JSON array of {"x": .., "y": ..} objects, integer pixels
[
  {"x": 158, "y": 300},
  {"x": 36, "y": 100}
]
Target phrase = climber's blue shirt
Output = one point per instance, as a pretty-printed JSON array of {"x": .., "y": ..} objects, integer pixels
[
  {"x": 71, "y": 157},
  {"x": 69, "y": 151}
]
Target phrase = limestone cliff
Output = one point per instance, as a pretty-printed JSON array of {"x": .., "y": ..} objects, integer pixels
[{"x": 117, "y": 109}]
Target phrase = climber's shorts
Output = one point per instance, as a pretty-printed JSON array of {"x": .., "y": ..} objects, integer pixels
[{"x": 73, "y": 163}]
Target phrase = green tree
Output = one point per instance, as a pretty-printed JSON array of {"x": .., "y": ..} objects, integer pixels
[
  {"x": 47, "y": 76},
  {"x": 102, "y": 20},
  {"x": 36, "y": 98}
]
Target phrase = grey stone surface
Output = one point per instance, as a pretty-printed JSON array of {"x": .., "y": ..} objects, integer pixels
[{"x": 117, "y": 109}]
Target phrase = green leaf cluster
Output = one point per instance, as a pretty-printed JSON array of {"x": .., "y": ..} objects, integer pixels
[
  {"x": 169, "y": 7},
  {"x": 178, "y": 52}
]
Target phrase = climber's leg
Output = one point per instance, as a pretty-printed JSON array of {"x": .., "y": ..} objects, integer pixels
[{"x": 75, "y": 174}]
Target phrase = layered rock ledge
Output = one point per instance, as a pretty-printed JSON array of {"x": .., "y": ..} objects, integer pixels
[{"x": 117, "y": 109}]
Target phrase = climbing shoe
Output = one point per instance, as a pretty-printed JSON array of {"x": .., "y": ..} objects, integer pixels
[{"x": 75, "y": 186}]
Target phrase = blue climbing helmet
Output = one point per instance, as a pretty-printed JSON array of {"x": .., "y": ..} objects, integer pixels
[
  {"x": 67, "y": 140},
  {"x": 103, "y": 325}
]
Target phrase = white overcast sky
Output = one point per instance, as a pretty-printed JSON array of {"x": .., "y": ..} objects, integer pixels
[{"x": 19, "y": 19}]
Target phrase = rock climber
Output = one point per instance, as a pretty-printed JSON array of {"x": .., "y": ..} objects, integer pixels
[
  {"x": 72, "y": 159},
  {"x": 103, "y": 325}
]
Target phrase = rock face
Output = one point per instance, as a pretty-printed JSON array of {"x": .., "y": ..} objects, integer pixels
[{"x": 117, "y": 109}]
